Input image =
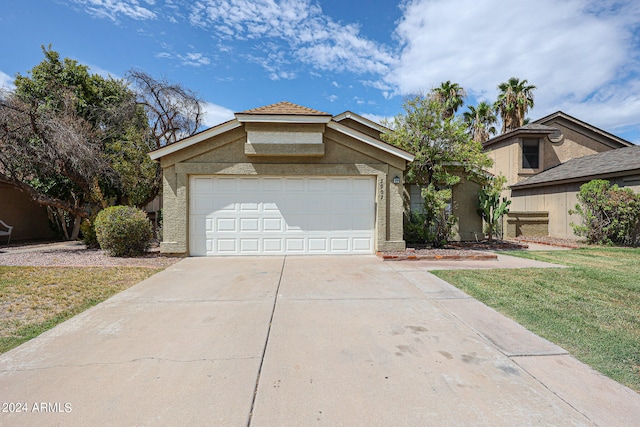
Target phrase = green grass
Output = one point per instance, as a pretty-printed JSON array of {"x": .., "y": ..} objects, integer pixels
[
  {"x": 35, "y": 299},
  {"x": 592, "y": 308}
]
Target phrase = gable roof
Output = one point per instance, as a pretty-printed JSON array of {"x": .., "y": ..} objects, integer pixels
[
  {"x": 528, "y": 129},
  {"x": 285, "y": 108},
  {"x": 543, "y": 127},
  {"x": 286, "y": 112},
  {"x": 576, "y": 124},
  {"x": 619, "y": 162},
  {"x": 283, "y": 112}
]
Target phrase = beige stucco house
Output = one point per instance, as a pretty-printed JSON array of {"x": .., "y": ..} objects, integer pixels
[
  {"x": 555, "y": 190},
  {"x": 540, "y": 202},
  {"x": 283, "y": 179}
]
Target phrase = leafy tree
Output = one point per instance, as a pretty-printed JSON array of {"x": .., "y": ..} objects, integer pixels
[
  {"x": 442, "y": 147},
  {"x": 610, "y": 215},
  {"x": 480, "y": 121},
  {"x": 451, "y": 95},
  {"x": 514, "y": 101},
  {"x": 78, "y": 142},
  {"x": 490, "y": 207}
]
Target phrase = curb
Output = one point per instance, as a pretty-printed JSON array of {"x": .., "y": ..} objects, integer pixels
[
  {"x": 559, "y": 245},
  {"x": 480, "y": 257}
]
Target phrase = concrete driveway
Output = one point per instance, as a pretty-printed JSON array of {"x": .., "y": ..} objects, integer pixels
[{"x": 293, "y": 341}]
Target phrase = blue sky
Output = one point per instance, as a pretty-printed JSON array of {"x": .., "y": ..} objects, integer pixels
[{"x": 357, "y": 55}]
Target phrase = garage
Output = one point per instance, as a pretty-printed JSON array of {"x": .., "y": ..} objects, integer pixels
[
  {"x": 283, "y": 179},
  {"x": 235, "y": 215}
]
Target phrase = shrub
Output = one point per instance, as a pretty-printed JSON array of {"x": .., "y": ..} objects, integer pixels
[
  {"x": 610, "y": 215},
  {"x": 87, "y": 228},
  {"x": 123, "y": 230},
  {"x": 490, "y": 208}
]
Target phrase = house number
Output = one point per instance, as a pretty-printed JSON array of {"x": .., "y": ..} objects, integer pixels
[{"x": 381, "y": 189}]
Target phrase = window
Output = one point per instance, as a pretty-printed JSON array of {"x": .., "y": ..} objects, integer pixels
[{"x": 530, "y": 153}]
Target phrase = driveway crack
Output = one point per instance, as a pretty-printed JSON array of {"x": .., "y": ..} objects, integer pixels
[{"x": 266, "y": 343}]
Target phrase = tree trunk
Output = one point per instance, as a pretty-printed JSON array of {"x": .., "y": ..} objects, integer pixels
[{"x": 76, "y": 228}]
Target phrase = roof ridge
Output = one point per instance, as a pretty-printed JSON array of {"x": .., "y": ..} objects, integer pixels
[{"x": 285, "y": 108}]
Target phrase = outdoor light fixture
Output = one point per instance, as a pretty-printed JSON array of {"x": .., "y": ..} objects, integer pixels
[{"x": 396, "y": 179}]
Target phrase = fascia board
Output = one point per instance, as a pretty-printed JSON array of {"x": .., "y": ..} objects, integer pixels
[
  {"x": 362, "y": 120},
  {"x": 199, "y": 137},
  {"x": 371, "y": 141}
]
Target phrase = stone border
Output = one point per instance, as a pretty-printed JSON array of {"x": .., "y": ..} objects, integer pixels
[{"x": 418, "y": 257}]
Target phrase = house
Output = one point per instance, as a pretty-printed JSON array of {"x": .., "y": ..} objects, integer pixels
[
  {"x": 555, "y": 190},
  {"x": 28, "y": 219},
  {"x": 283, "y": 179},
  {"x": 525, "y": 154}
]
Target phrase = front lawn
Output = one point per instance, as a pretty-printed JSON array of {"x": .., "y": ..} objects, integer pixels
[
  {"x": 35, "y": 299},
  {"x": 592, "y": 309}
]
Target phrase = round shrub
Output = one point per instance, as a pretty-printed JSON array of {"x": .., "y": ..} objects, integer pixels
[{"x": 123, "y": 230}]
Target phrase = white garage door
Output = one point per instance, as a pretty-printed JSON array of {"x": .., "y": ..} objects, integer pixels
[{"x": 281, "y": 215}]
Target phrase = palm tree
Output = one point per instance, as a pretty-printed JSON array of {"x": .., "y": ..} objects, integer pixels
[
  {"x": 451, "y": 95},
  {"x": 514, "y": 100},
  {"x": 481, "y": 121}
]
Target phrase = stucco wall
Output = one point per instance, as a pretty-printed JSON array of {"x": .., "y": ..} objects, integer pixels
[
  {"x": 226, "y": 155},
  {"x": 465, "y": 208},
  {"x": 557, "y": 200},
  {"x": 29, "y": 219}
]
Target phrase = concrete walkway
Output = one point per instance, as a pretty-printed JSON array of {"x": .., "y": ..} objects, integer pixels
[{"x": 292, "y": 341}]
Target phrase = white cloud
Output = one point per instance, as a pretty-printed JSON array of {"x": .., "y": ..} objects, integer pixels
[
  {"x": 576, "y": 52},
  {"x": 6, "y": 82},
  {"x": 312, "y": 37},
  {"x": 216, "y": 114},
  {"x": 111, "y": 9},
  {"x": 194, "y": 59},
  {"x": 381, "y": 120},
  {"x": 332, "y": 98}
]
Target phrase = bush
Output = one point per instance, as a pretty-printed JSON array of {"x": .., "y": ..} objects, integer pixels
[
  {"x": 610, "y": 215},
  {"x": 87, "y": 228},
  {"x": 123, "y": 230}
]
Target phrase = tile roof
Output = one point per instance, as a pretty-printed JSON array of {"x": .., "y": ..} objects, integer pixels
[
  {"x": 285, "y": 108},
  {"x": 612, "y": 162}
]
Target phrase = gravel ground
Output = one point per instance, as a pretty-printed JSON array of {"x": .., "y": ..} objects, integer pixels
[{"x": 75, "y": 254}]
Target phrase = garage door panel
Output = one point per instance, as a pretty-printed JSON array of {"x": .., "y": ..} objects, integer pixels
[
  {"x": 250, "y": 245},
  {"x": 293, "y": 244},
  {"x": 249, "y": 224},
  {"x": 226, "y": 225},
  {"x": 339, "y": 244},
  {"x": 272, "y": 245},
  {"x": 273, "y": 225},
  {"x": 281, "y": 215}
]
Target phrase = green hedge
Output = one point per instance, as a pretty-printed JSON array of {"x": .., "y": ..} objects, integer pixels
[{"x": 123, "y": 231}]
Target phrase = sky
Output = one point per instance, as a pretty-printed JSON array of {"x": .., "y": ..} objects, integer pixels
[{"x": 363, "y": 56}]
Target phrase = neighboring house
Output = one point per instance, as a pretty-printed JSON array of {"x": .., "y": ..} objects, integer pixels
[
  {"x": 525, "y": 153},
  {"x": 283, "y": 179},
  {"x": 554, "y": 190},
  {"x": 29, "y": 219}
]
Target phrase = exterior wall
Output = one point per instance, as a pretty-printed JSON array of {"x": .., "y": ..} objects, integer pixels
[
  {"x": 226, "y": 155},
  {"x": 465, "y": 208},
  {"x": 573, "y": 143},
  {"x": 533, "y": 224},
  {"x": 507, "y": 155},
  {"x": 557, "y": 200},
  {"x": 29, "y": 220}
]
